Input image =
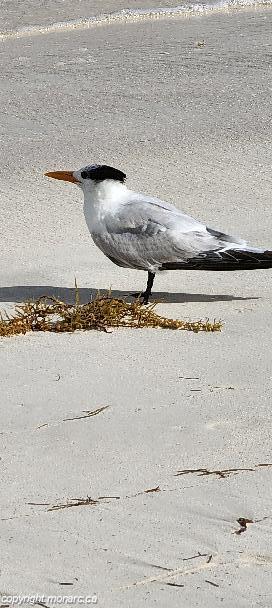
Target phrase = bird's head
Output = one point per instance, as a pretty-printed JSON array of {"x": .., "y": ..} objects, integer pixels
[{"x": 89, "y": 177}]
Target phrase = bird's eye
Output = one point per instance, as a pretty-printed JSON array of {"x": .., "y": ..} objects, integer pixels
[{"x": 84, "y": 174}]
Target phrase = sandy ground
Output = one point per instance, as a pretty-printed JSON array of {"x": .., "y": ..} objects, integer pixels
[{"x": 193, "y": 126}]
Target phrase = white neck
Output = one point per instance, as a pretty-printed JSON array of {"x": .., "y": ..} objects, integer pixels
[
  {"x": 107, "y": 191},
  {"x": 101, "y": 198}
]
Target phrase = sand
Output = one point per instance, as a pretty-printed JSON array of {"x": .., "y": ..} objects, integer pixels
[{"x": 191, "y": 125}]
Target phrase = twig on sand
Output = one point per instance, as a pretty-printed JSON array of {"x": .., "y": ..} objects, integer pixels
[
  {"x": 157, "y": 489},
  {"x": 174, "y": 585},
  {"x": 186, "y": 559},
  {"x": 66, "y": 583},
  {"x": 188, "y": 377},
  {"x": 148, "y": 491},
  {"x": 109, "y": 497},
  {"x": 211, "y": 583},
  {"x": 38, "y": 504},
  {"x": 74, "y": 502},
  {"x": 223, "y": 473},
  {"x": 80, "y": 502},
  {"x": 88, "y": 413}
]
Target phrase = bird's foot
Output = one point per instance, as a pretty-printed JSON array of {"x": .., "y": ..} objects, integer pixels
[{"x": 143, "y": 296}]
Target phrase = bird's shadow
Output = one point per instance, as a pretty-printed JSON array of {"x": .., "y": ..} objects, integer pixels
[{"x": 23, "y": 293}]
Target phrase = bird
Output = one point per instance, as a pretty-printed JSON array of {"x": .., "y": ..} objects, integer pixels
[{"x": 145, "y": 233}]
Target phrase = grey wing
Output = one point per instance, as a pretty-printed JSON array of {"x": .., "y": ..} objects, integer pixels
[{"x": 145, "y": 233}]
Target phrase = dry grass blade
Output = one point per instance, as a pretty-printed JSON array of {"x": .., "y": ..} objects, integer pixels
[
  {"x": 103, "y": 313},
  {"x": 223, "y": 473},
  {"x": 81, "y": 502},
  {"x": 88, "y": 413},
  {"x": 74, "y": 502},
  {"x": 157, "y": 489}
]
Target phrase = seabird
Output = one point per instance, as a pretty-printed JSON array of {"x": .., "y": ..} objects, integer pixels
[{"x": 143, "y": 232}]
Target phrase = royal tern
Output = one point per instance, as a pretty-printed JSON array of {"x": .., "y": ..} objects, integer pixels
[{"x": 142, "y": 232}]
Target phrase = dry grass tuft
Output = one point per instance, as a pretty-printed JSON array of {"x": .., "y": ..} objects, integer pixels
[{"x": 102, "y": 313}]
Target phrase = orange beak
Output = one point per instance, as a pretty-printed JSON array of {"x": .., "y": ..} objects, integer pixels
[{"x": 66, "y": 176}]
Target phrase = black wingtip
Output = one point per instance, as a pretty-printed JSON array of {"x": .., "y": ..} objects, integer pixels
[{"x": 227, "y": 260}]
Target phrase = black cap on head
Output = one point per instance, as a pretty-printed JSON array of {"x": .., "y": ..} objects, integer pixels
[{"x": 100, "y": 172}]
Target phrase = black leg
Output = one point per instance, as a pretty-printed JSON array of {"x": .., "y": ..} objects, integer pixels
[{"x": 147, "y": 293}]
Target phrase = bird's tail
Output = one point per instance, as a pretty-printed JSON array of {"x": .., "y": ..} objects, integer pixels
[{"x": 226, "y": 259}]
